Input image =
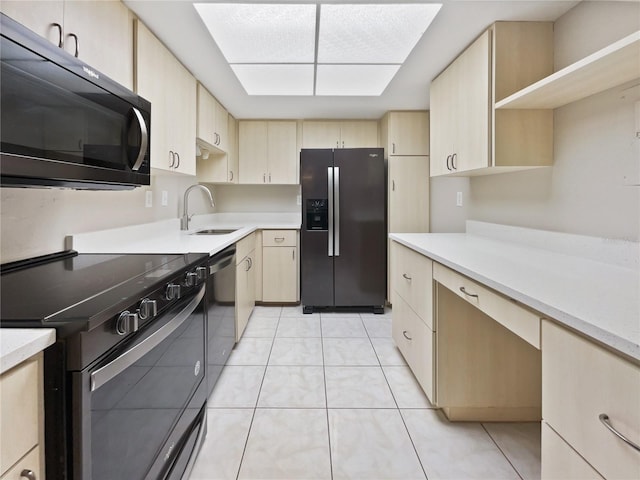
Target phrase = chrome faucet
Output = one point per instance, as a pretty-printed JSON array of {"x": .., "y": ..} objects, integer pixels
[{"x": 184, "y": 221}]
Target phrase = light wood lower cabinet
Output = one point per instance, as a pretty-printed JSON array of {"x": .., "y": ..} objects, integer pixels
[
  {"x": 582, "y": 381},
  {"x": 412, "y": 322},
  {"x": 21, "y": 417},
  {"x": 560, "y": 461},
  {"x": 280, "y": 266},
  {"x": 416, "y": 342},
  {"x": 245, "y": 282}
]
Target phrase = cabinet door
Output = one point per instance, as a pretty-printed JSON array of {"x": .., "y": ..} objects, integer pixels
[
  {"x": 182, "y": 115},
  {"x": 472, "y": 112},
  {"x": 442, "y": 103},
  {"x": 282, "y": 152},
  {"x": 245, "y": 292},
  {"x": 279, "y": 274},
  {"x": 232, "y": 150},
  {"x": 408, "y": 133},
  {"x": 37, "y": 16},
  {"x": 105, "y": 36},
  {"x": 408, "y": 194},
  {"x": 150, "y": 59},
  {"x": 206, "y": 116},
  {"x": 320, "y": 134},
  {"x": 31, "y": 461},
  {"x": 222, "y": 126},
  {"x": 359, "y": 134},
  {"x": 252, "y": 151}
]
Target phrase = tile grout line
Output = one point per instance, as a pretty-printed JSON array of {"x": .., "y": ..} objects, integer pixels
[
  {"x": 415, "y": 450},
  {"x": 501, "y": 451},
  {"x": 326, "y": 399},
  {"x": 255, "y": 408}
]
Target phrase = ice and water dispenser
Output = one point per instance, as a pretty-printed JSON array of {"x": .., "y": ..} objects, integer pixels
[{"x": 317, "y": 214}]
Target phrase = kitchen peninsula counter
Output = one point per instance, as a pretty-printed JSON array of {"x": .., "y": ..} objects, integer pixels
[{"x": 587, "y": 284}]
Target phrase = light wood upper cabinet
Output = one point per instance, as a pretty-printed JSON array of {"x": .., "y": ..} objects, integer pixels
[
  {"x": 339, "y": 134},
  {"x": 408, "y": 196},
  {"x": 173, "y": 116},
  {"x": 470, "y": 137},
  {"x": 405, "y": 133},
  {"x": 213, "y": 120},
  {"x": 101, "y": 31},
  {"x": 267, "y": 152}
]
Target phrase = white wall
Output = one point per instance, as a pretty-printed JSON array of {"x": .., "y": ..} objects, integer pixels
[
  {"x": 594, "y": 144},
  {"x": 256, "y": 198},
  {"x": 35, "y": 221}
]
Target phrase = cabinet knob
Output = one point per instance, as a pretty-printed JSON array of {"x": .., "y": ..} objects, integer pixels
[
  {"x": 393, "y": 148},
  {"x": 172, "y": 159},
  {"x": 463, "y": 290},
  {"x": 404, "y": 332},
  {"x": 28, "y": 474},
  {"x": 604, "y": 418},
  {"x": 231, "y": 175},
  {"x": 178, "y": 160},
  {"x": 453, "y": 161},
  {"x": 406, "y": 277}
]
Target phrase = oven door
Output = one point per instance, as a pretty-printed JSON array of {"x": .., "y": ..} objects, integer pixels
[{"x": 135, "y": 411}]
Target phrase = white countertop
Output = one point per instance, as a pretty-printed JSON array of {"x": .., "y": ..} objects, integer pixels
[
  {"x": 166, "y": 236},
  {"x": 584, "y": 290},
  {"x": 18, "y": 344}
]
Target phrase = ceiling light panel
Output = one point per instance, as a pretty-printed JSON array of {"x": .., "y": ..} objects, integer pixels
[
  {"x": 373, "y": 33},
  {"x": 275, "y": 79},
  {"x": 262, "y": 33},
  {"x": 354, "y": 80}
]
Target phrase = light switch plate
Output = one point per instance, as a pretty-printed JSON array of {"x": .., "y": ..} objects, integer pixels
[
  {"x": 459, "y": 199},
  {"x": 165, "y": 198},
  {"x": 148, "y": 199}
]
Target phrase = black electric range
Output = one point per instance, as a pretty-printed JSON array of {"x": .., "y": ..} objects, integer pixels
[{"x": 125, "y": 382}]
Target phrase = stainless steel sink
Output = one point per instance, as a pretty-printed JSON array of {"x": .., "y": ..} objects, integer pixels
[{"x": 214, "y": 231}]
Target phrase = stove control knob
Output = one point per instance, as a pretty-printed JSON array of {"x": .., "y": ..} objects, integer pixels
[
  {"x": 202, "y": 273},
  {"x": 126, "y": 323},
  {"x": 148, "y": 309},
  {"x": 190, "y": 279},
  {"x": 172, "y": 292}
]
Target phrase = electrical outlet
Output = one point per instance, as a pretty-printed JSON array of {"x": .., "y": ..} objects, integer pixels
[
  {"x": 148, "y": 199},
  {"x": 165, "y": 198},
  {"x": 459, "y": 199},
  {"x": 299, "y": 200}
]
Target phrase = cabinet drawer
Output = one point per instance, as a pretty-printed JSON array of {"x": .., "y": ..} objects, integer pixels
[
  {"x": 244, "y": 246},
  {"x": 412, "y": 277},
  {"x": 18, "y": 412},
  {"x": 416, "y": 343},
  {"x": 31, "y": 461},
  {"x": 279, "y": 238},
  {"x": 581, "y": 381},
  {"x": 560, "y": 461},
  {"x": 509, "y": 314}
]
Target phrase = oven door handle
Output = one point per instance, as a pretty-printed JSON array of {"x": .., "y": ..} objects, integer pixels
[{"x": 103, "y": 374}]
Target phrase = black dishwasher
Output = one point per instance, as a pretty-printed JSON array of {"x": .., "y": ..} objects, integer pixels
[{"x": 221, "y": 294}]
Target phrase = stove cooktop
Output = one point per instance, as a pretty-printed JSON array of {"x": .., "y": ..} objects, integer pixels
[{"x": 73, "y": 288}]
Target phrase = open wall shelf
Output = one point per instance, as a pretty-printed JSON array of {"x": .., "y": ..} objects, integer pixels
[{"x": 614, "y": 65}]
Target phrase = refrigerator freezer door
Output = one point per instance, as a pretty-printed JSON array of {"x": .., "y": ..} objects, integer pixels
[
  {"x": 360, "y": 268},
  {"x": 316, "y": 266}
]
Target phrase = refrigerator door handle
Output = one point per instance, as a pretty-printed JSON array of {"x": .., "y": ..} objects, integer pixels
[
  {"x": 336, "y": 213},
  {"x": 330, "y": 195}
]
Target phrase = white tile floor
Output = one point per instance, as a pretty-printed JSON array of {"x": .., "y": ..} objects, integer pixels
[{"x": 329, "y": 396}]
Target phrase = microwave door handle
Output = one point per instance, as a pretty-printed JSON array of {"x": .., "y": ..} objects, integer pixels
[
  {"x": 112, "y": 369},
  {"x": 144, "y": 135}
]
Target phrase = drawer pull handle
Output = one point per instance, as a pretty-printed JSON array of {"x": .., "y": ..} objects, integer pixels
[
  {"x": 407, "y": 277},
  {"x": 463, "y": 290},
  {"x": 604, "y": 418},
  {"x": 28, "y": 474},
  {"x": 404, "y": 332},
  {"x": 279, "y": 239}
]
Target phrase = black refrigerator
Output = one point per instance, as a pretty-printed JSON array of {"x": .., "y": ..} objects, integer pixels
[{"x": 343, "y": 237}]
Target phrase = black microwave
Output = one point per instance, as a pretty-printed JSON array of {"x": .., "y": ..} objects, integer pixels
[{"x": 63, "y": 123}]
